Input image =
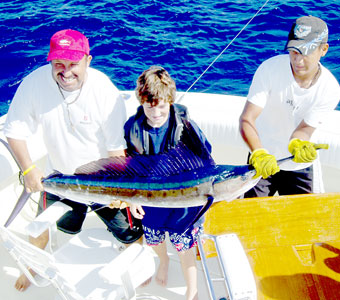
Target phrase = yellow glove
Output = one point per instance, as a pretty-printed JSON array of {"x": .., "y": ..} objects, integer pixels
[
  {"x": 304, "y": 151},
  {"x": 264, "y": 163}
]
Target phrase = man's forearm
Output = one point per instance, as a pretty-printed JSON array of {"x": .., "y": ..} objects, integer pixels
[
  {"x": 20, "y": 150},
  {"x": 250, "y": 135}
]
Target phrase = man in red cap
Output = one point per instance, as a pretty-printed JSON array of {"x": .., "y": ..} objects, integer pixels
[
  {"x": 290, "y": 96},
  {"x": 82, "y": 118}
]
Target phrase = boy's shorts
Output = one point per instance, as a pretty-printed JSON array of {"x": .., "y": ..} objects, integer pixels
[
  {"x": 181, "y": 241},
  {"x": 115, "y": 219}
]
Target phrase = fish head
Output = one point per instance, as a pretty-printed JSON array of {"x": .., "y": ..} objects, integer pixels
[{"x": 231, "y": 182}]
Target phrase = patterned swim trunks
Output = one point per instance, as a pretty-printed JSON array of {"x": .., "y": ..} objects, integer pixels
[{"x": 183, "y": 241}]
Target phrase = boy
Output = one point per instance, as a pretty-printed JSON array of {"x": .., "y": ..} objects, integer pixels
[{"x": 159, "y": 125}]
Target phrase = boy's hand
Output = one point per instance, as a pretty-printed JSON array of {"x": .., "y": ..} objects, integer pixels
[
  {"x": 264, "y": 163},
  {"x": 304, "y": 151},
  {"x": 137, "y": 211}
]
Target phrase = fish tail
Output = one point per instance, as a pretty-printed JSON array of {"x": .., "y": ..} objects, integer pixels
[
  {"x": 10, "y": 151},
  {"x": 18, "y": 206},
  {"x": 24, "y": 195}
]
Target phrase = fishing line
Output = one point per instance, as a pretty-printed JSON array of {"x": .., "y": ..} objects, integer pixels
[{"x": 218, "y": 56}]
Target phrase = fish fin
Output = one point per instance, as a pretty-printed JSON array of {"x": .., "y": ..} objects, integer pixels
[
  {"x": 195, "y": 142},
  {"x": 210, "y": 200},
  {"x": 177, "y": 160},
  {"x": 53, "y": 174},
  {"x": 18, "y": 207}
]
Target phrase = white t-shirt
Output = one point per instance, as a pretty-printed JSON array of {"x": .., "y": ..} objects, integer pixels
[
  {"x": 83, "y": 132},
  {"x": 285, "y": 104}
]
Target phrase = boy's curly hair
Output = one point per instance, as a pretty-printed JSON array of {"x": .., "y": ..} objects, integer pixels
[{"x": 154, "y": 85}]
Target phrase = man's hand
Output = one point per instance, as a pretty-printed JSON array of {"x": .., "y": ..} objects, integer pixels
[
  {"x": 118, "y": 204},
  {"x": 304, "y": 151},
  {"x": 33, "y": 181},
  {"x": 264, "y": 163}
]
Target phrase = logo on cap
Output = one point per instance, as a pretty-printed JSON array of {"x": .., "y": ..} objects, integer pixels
[
  {"x": 68, "y": 44},
  {"x": 306, "y": 34},
  {"x": 64, "y": 42},
  {"x": 301, "y": 31}
]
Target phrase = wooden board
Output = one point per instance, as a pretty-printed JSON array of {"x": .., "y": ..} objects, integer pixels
[{"x": 292, "y": 242}]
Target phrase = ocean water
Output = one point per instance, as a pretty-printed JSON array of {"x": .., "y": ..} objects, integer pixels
[{"x": 184, "y": 37}]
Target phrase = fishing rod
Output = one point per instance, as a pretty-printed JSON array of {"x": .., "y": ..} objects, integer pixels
[{"x": 221, "y": 53}]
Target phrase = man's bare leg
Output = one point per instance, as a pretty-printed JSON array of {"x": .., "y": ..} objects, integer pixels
[{"x": 41, "y": 241}]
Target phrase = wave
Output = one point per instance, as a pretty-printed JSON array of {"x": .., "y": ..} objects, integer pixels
[{"x": 184, "y": 37}]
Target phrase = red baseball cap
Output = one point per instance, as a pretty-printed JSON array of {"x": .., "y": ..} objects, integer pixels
[{"x": 68, "y": 44}]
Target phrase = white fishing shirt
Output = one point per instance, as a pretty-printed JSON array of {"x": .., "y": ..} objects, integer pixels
[
  {"x": 285, "y": 104},
  {"x": 83, "y": 132}
]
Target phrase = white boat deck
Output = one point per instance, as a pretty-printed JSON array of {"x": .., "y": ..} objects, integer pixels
[
  {"x": 175, "y": 289},
  {"x": 219, "y": 121}
]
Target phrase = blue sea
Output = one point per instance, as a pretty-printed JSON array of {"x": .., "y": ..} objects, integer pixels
[{"x": 184, "y": 37}]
